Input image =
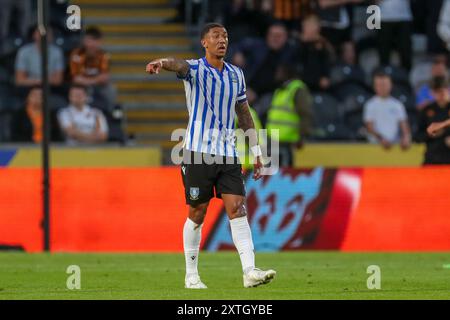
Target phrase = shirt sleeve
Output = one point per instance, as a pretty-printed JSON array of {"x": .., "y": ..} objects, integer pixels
[
  {"x": 242, "y": 97},
  {"x": 59, "y": 60},
  {"x": 104, "y": 63},
  {"x": 21, "y": 61},
  {"x": 64, "y": 119},
  {"x": 75, "y": 64},
  {"x": 102, "y": 122},
  {"x": 192, "y": 73},
  {"x": 402, "y": 116},
  {"x": 368, "y": 115}
]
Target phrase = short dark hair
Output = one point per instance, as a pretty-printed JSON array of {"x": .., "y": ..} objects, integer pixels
[
  {"x": 438, "y": 59},
  {"x": 277, "y": 23},
  {"x": 37, "y": 86},
  {"x": 288, "y": 70},
  {"x": 35, "y": 27},
  {"x": 93, "y": 32},
  {"x": 78, "y": 86},
  {"x": 380, "y": 73},
  {"x": 439, "y": 82},
  {"x": 208, "y": 27}
]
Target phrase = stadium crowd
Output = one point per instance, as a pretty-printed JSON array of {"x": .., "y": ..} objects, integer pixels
[
  {"x": 82, "y": 96},
  {"x": 362, "y": 84},
  {"x": 339, "y": 80}
]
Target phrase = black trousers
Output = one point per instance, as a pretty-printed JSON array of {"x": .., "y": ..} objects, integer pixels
[
  {"x": 286, "y": 155},
  {"x": 395, "y": 36}
]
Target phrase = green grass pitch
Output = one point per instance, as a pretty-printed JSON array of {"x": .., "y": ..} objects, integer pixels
[{"x": 301, "y": 275}]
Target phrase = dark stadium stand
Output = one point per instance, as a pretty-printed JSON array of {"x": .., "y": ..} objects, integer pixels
[{"x": 137, "y": 31}]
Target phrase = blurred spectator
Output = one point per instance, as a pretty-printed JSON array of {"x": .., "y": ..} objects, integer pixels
[
  {"x": 81, "y": 123},
  {"x": 22, "y": 10},
  {"x": 385, "y": 117},
  {"x": 27, "y": 122},
  {"x": 335, "y": 20},
  {"x": 180, "y": 6},
  {"x": 395, "y": 32},
  {"x": 314, "y": 55},
  {"x": 424, "y": 95},
  {"x": 347, "y": 77},
  {"x": 438, "y": 145},
  {"x": 89, "y": 67},
  {"x": 28, "y": 62},
  {"x": 347, "y": 55},
  {"x": 260, "y": 58},
  {"x": 443, "y": 27},
  {"x": 291, "y": 11},
  {"x": 426, "y": 18},
  {"x": 242, "y": 22},
  {"x": 290, "y": 113}
]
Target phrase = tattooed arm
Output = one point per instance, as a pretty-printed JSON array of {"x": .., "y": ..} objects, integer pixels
[
  {"x": 181, "y": 67},
  {"x": 245, "y": 121}
]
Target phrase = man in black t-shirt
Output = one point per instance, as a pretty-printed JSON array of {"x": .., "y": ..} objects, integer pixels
[{"x": 438, "y": 141}]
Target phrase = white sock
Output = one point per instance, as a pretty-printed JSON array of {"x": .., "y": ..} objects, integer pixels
[
  {"x": 242, "y": 238},
  {"x": 192, "y": 235}
]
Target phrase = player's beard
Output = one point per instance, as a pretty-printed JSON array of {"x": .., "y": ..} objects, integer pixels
[{"x": 221, "y": 55}]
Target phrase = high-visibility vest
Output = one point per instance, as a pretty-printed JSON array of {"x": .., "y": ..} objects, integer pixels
[
  {"x": 282, "y": 114},
  {"x": 244, "y": 153}
]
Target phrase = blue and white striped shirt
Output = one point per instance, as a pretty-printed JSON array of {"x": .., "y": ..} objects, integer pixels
[{"x": 211, "y": 96}]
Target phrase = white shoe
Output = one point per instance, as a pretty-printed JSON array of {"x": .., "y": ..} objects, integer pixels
[
  {"x": 257, "y": 277},
  {"x": 194, "y": 282}
]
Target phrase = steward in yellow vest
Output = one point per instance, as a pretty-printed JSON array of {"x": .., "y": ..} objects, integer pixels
[{"x": 290, "y": 114}]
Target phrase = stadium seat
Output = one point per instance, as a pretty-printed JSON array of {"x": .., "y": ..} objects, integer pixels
[
  {"x": 328, "y": 123},
  {"x": 5, "y": 124},
  {"x": 115, "y": 124},
  {"x": 66, "y": 40},
  {"x": 355, "y": 102},
  {"x": 350, "y": 89},
  {"x": 413, "y": 120},
  {"x": 399, "y": 75},
  {"x": 325, "y": 108},
  {"x": 7, "y": 71},
  {"x": 5, "y": 96},
  {"x": 341, "y": 74},
  {"x": 4, "y": 75},
  {"x": 354, "y": 122},
  {"x": 420, "y": 74},
  {"x": 404, "y": 94}
]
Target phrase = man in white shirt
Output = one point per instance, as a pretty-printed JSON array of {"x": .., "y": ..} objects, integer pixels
[
  {"x": 385, "y": 117},
  {"x": 81, "y": 123}
]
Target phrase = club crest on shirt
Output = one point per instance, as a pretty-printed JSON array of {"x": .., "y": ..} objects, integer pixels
[
  {"x": 194, "y": 193},
  {"x": 234, "y": 76}
]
